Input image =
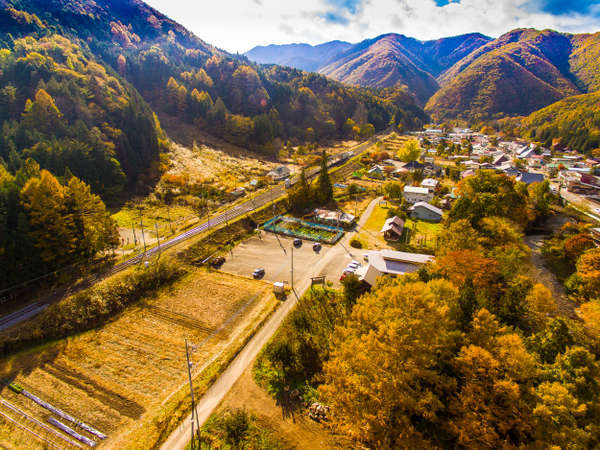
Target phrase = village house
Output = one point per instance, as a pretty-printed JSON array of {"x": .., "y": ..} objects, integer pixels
[
  {"x": 376, "y": 172},
  {"x": 425, "y": 211},
  {"x": 334, "y": 218},
  {"x": 392, "y": 229},
  {"x": 413, "y": 165},
  {"x": 430, "y": 183},
  {"x": 279, "y": 173},
  {"x": 414, "y": 194},
  {"x": 500, "y": 159},
  {"x": 390, "y": 262}
]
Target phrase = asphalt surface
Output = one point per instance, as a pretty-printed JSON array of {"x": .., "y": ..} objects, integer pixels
[
  {"x": 180, "y": 437},
  {"x": 243, "y": 208}
]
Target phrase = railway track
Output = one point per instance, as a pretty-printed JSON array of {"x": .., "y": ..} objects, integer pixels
[{"x": 233, "y": 213}]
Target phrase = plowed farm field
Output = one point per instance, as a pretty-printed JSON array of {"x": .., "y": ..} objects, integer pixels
[{"x": 111, "y": 377}]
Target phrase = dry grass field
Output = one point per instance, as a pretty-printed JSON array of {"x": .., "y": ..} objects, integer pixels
[
  {"x": 113, "y": 376},
  {"x": 204, "y": 164}
]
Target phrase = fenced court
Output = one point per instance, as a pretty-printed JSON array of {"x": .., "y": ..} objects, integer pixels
[{"x": 298, "y": 228}]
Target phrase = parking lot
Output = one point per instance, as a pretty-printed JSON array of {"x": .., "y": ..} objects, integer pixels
[{"x": 273, "y": 253}]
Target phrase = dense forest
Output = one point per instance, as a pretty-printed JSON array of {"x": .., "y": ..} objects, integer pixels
[
  {"x": 469, "y": 352},
  {"x": 573, "y": 122}
]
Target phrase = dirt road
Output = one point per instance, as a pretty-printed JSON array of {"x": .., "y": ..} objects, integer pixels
[
  {"x": 541, "y": 274},
  {"x": 207, "y": 404}
]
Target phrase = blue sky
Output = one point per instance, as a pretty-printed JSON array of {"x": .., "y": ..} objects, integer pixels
[{"x": 238, "y": 25}]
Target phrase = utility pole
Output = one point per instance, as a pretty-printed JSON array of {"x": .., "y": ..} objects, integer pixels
[
  {"x": 169, "y": 217},
  {"x": 134, "y": 237},
  {"x": 142, "y": 227},
  {"x": 292, "y": 267},
  {"x": 157, "y": 237},
  {"x": 189, "y": 368}
]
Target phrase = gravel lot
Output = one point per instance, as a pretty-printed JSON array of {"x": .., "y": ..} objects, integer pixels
[{"x": 267, "y": 252}]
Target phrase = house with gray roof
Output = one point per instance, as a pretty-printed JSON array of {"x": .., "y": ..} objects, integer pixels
[{"x": 425, "y": 211}]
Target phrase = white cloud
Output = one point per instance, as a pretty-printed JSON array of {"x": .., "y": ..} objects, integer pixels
[{"x": 238, "y": 25}]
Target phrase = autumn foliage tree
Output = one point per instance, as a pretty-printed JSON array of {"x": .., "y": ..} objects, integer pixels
[{"x": 371, "y": 403}]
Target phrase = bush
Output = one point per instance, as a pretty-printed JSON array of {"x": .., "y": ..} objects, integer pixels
[
  {"x": 396, "y": 212},
  {"x": 293, "y": 358},
  {"x": 356, "y": 243},
  {"x": 237, "y": 430}
]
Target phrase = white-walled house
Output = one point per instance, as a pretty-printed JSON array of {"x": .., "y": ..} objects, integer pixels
[
  {"x": 414, "y": 194},
  {"x": 390, "y": 262}
]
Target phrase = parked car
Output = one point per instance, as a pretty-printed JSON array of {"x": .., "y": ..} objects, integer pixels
[
  {"x": 317, "y": 247},
  {"x": 258, "y": 273},
  {"x": 297, "y": 243},
  {"x": 218, "y": 261}
]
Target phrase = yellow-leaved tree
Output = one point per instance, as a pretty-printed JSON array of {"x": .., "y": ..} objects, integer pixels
[
  {"x": 51, "y": 227},
  {"x": 385, "y": 379},
  {"x": 410, "y": 151}
]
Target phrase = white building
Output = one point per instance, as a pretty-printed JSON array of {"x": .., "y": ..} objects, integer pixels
[
  {"x": 414, "y": 194},
  {"x": 390, "y": 262},
  {"x": 430, "y": 183}
]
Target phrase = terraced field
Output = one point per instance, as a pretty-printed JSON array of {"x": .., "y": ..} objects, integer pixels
[{"x": 111, "y": 377}]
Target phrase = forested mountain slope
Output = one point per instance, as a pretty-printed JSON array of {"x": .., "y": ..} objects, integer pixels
[
  {"x": 383, "y": 62},
  {"x": 573, "y": 121},
  {"x": 80, "y": 81},
  {"x": 516, "y": 74}
]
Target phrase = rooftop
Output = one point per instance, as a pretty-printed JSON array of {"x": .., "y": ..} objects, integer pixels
[
  {"x": 416, "y": 190},
  {"x": 428, "y": 206}
]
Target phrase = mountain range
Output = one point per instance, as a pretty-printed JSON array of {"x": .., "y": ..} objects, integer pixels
[
  {"x": 385, "y": 61},
  {"x": 471, "y": 76}
]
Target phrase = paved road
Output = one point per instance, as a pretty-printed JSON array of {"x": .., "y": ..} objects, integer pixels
[
  {"x": 243, "y": 208},
  {"x": 180, "y": 437}
]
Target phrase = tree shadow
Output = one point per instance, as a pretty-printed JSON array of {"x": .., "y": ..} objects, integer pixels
[{"x": 290, "y": 402}]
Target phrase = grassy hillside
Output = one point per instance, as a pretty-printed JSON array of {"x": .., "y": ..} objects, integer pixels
[
  {"x": 516, "y": 74},
  {"x": 574, "y": 121}
]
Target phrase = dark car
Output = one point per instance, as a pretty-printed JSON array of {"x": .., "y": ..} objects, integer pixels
[
  {"x": 317, "y": 247},
  {"x": 217, "y": 262},
  {"x": 297, "y": 243},
  {"x": 258, "y": 273}
]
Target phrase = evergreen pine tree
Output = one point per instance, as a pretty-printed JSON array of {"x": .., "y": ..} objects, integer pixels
[
  {"x": 304, "y": 187},
  {"x": 325, "y": 189}
]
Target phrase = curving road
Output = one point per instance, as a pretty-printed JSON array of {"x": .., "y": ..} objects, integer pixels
[{"x": 180, "y": 437}]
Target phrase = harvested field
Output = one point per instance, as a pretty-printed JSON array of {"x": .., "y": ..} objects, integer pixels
[{"x": 112, "y": 376}]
